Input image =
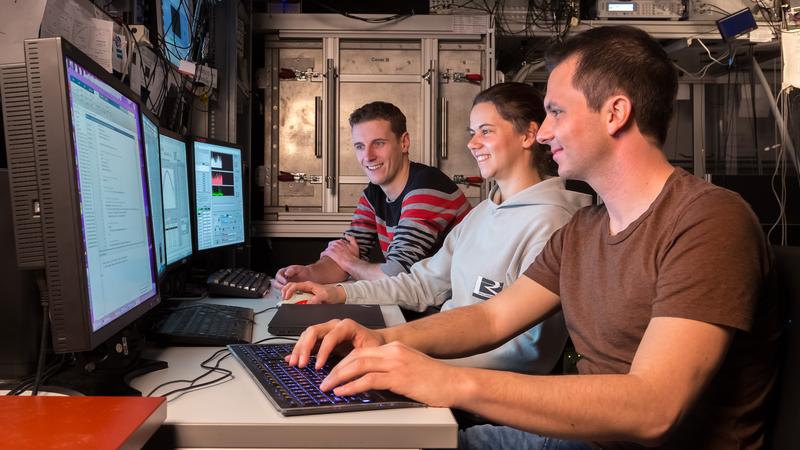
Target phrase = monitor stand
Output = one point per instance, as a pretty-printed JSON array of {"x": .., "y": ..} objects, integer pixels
[{"x": 109, "y": 369}]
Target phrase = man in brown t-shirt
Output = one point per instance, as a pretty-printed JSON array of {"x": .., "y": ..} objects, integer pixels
[{"x": 660, "y": 288}]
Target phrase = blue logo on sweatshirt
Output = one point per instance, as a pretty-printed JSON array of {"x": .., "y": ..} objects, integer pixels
[{"x": 486, "y": 288}]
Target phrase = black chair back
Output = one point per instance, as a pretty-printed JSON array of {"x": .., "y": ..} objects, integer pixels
[{"x": 786, "y": 427}]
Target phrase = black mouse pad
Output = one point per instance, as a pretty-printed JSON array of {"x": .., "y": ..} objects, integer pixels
[{"x": 292, "y": 319}]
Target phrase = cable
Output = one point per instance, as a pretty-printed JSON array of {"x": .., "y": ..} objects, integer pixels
[
  {"x": 191, "y": 382},
  {"x": 700, "y": 41},
  {"x": 25, "y": 383},
  {"x": 209, "y": 370},
  {"x": 387, "y": 19},
  {"x": 265, "y": 310},
  {"x": 44, "y": 299}
]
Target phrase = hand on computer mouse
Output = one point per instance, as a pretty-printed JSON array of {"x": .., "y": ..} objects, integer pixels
[
  {"x": 298, "y": 298},
  {"x": 319, "y": 293}
]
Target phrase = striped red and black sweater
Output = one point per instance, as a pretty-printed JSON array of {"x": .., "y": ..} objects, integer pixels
[{"x": 413, "y": 226}]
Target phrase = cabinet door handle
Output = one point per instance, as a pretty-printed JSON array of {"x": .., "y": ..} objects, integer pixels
[
  {"x": 443, "y": 128},
  {"x": 330, "y": 73},
  {"x": 318, "y": 127}
]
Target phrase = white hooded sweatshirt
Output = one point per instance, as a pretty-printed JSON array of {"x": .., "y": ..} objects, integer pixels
[{"x": 486, "y": 252}]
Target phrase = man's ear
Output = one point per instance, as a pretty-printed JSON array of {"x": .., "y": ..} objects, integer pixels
[
  {"x": 618, "y": 111},
  {"x": 405, "y": 142}
]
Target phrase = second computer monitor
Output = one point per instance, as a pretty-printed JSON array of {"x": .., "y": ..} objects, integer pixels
[
  {"x": 218, "y": 194},
  {"x": 175, "y": 194},
  {"x": 152, "y": 157}
]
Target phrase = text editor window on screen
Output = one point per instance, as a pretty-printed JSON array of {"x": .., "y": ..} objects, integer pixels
[{"x": 112, "y": 196}]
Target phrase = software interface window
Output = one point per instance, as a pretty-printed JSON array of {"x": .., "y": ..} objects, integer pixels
[
  {"x": 218, "y": 195},
  {"x": 175, "y": 189},
  {"x": 112, "y": 196},
  {"x": 154, "y": 179}
]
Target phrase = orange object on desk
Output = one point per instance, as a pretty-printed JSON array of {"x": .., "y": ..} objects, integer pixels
[{"x": 79, "y": 422}]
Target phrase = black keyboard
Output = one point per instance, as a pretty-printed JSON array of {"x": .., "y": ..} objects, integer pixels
[
  {"x": 238, "y": 283},
  {"x": 295, "y": 391},
  {"x": 206, "y": 325}
]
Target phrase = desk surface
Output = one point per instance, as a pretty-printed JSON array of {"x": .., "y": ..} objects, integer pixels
[
  {"x": 235, "y": 413},
  {"x": 86, "y": 422}
]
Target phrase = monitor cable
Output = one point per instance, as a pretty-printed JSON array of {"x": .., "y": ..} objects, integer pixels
[
  {"x": 219, "y": 355},
  {"x": 44, "y": 298}
]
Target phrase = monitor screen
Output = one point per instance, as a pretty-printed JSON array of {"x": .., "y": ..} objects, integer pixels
[
  {"x": 153, "y": 159},
  {"x": 219, "y": 198},
  {"x": 175, "y": 194},
  {"x": 176, "y": 29},
  {"x": 113, "y": 198}
]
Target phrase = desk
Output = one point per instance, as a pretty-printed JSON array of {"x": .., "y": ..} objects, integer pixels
[
  {"x": 236, "y": 413},
  {"x": 87, "y": 422}
]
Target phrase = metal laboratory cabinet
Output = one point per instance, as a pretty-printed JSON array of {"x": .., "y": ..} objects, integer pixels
[{"x": 320, "y": 67}]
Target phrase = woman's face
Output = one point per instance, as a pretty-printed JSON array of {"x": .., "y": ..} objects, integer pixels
[{"x": 497, "y": 147}]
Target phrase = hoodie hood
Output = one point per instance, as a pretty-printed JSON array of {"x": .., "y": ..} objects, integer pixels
[{"x": 546, "y": 192}]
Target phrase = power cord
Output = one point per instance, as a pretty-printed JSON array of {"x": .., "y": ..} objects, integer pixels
[
  {"x": 44, "y": 299},
  {"x": 222, "y": 354}
]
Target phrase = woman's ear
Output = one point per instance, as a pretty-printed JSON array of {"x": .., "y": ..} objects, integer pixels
[{"x": 529, "y": 138}]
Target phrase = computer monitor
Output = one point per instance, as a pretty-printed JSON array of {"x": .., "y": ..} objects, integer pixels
[
  {"x": 153, "y": 158},
  {"x": 175, "y": 190},
  {"x": 175, "y": 22},
  {"x": 218, "y": 194},
  {"x": 80, "y": 201}
]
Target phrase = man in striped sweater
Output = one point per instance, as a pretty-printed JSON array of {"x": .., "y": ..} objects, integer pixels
[{"x": 408, "y": 208}]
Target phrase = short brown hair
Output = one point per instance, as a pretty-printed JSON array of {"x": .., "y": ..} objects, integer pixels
[
  {"x": 521, "y": 104},
  {"x": 380, "y": 111},
  {"x": 622, "y": 60}
]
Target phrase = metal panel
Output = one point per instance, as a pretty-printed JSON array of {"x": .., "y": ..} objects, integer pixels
[
  {"x": 297, "y": 112},
  {"x": 405, "y": 96},
  {"x": 349, "y": 195},
  {"x": 380, "y": 61},
  {"x": 318, "y": 25},
  {"x": 459, "y": 96}
]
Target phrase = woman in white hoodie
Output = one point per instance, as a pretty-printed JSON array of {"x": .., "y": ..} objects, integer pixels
[{"x": 496, "y": 241}]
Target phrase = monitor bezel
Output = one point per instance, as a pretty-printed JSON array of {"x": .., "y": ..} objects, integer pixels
[
  {"x": 186, "y": 259},
  {"x": 90, "y": 338},
  {"x": 193, "y": 194},
  {"x": 145, "y": 112}
]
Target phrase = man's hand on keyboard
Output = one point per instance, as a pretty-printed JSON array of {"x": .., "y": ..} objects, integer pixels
[
  {"x": 329, "y": 336},
  {"x": 398, "y": 368},
  {"x": 321, "y": 293}
]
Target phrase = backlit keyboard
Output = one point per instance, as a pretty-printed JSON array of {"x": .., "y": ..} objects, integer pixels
[{"x": 295, "y": 391}]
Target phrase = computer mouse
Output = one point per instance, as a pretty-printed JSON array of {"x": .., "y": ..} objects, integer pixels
[{"x": 299, "y": 297}]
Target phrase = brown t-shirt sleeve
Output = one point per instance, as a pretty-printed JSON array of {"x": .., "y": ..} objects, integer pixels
[
  {"x": 714, "y": 265},
  {"x": 546, "y": 268}
]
